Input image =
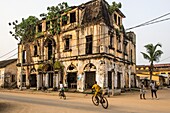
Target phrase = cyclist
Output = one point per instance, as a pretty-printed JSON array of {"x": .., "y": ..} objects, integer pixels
[{"x": 97, "y": 88}]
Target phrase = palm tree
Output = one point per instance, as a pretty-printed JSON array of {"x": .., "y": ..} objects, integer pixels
[{"x": 152, "y": 54}]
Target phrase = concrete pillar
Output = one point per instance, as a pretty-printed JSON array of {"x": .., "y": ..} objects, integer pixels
[
  {"x": 46, "y": 80},
  {"x": 57, "y": 80},
  {"x": 54, "y": 80},
  {"x": 38, "y": 81},
  {"x": 113, "y": 82}
]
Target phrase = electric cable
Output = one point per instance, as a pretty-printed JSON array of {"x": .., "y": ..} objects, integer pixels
[{"x": 150, "y": 22}]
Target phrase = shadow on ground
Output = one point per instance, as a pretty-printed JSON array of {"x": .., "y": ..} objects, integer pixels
[{"x": 4, "y": 106}]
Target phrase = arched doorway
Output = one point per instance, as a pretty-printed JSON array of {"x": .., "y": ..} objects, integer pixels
[
  {"x": 90, "y": 75},
  {"x": 72, "y": 76},
  {"x": 33, "y": 78}
]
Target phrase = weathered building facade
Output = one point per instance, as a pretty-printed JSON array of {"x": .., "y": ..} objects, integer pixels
[
  {"x": 8, "y": 73},
  {"x": 92, "y": 46}
]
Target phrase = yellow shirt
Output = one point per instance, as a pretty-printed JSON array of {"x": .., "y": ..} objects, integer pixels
[{"x": 96, "y": 87}]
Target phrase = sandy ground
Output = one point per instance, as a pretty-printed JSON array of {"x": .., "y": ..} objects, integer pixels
[{"x": 80, "y": 103}]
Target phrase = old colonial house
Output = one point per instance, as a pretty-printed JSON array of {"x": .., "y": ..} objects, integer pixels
[
  {"x": 161, "y": 74},
  {"x": 92, "y": 46},
  {"x": 8, "y": 73}
]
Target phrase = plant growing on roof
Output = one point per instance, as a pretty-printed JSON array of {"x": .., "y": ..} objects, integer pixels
[
  {"x": 40, "y": 67},
  {"x": 58, "y": 65},
  {"x": 54, "y": 15},
  {"x": 114, "y": 6},
  {"x": 118, "y": 33}
]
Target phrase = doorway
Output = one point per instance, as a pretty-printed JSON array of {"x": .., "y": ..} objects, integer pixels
[
  {"x": 72, "y": 80},
  {"x": 90, "y": 78},
  {"x": 50, "y": 80},
  {"x": 33, "y": 80},
  {"x": 110, "y": 80}
]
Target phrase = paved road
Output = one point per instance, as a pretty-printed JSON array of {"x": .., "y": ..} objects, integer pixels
[{"x": 126, "y": 103}]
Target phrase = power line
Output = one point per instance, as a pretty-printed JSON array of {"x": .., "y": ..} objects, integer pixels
[
  {"x": 151, "y": 21},
  {"x": 8, "y": 53},
  {"x": 164, "y": 59},
  {"x": 11, "y": 56}
]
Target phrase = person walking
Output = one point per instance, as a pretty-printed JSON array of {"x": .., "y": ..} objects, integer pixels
[
  {"x": 61, "y": 93},
  {"x": 153, "y": 89},
  {"x": 142, "y": 91}
]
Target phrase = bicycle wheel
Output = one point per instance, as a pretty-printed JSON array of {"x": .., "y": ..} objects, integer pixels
[
  {"x": 104, "y": 102},
  {"x": 95, "y": 100}
]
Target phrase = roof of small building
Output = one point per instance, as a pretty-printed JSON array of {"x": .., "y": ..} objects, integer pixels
[
  {"x": 155, "y": 65},
  {"x": 4, "y": 63}
]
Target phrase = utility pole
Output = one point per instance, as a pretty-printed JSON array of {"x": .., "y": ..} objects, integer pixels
[{"x": 21, "y": 65}]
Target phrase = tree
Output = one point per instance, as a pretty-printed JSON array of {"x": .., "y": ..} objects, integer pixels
[
  {"x": 54, "y": 15},
  {"x": 26, "y": 30},
  {"x": 152, "y": 54}
]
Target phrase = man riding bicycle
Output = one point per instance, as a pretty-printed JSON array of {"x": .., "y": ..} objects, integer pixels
[
  {"x": 98, "y": 97},
  {"x": 97, "y": 88}
]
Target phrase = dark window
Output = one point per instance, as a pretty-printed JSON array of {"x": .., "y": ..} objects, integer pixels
[
  {"x": 72, "y": 17},
  {"x": 49, "y": 50},
  {"x": 47, "y": 25},
  {"x": 111, "y": 40},
  {"x": 64, "y": 20},
  {"x": 119, "y": 21},
  {"x": 23, "y": 78},
  {"x": 13, "y": 78},
  {"x": 40, "y": 27},
  {"x": 131, "y": 55},
  {"x": 24, "y": 56},
  {"x": 89, "y": 44},
  {"x": 115, "y": 18},
  {"x": 67, "y": 44},
  {"x": 119, "y": 44},
  {"x": 125, "y": 47},
  {"x": 35, "y": 51},
  {"x": 110, "y": 80},
  {"x": 118, "y": 80}
]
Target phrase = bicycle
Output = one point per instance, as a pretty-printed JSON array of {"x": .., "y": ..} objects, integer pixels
[
  {"x": 100, "y": 99},
  {"x": 62, "y": 95}
]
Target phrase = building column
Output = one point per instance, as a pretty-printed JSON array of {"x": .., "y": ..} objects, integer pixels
[
  {"x": 57, "y": 80},
  {"x": 38, "y": 81},
  {"x": 46, "y": 80}
]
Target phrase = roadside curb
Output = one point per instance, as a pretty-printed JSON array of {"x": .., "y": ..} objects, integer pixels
[{"x": 50, "y": 93}]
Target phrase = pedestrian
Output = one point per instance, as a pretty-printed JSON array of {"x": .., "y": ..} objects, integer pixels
[
  {"x": 61, "y": 93},
  {"x": 153, "y": 89},
  {"x": 142, "y": 91}
]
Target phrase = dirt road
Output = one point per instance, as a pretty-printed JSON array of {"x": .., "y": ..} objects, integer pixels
[{"x": 25, "y": 102}]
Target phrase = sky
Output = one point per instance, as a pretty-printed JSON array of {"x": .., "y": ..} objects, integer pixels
[{"x": 136, "y": 12}]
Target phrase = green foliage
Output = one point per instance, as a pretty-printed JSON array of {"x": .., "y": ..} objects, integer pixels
[
  {"x": 58, "y": 65},
  {"x": 114, "y": 6},
  {"x": 152, "y": 55},
  {"x": 40, "y": 67},
  {"x": 54, "y": 15},
  {"x": 117, "y": 33},
  {"x": 25, "y": 31}
]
